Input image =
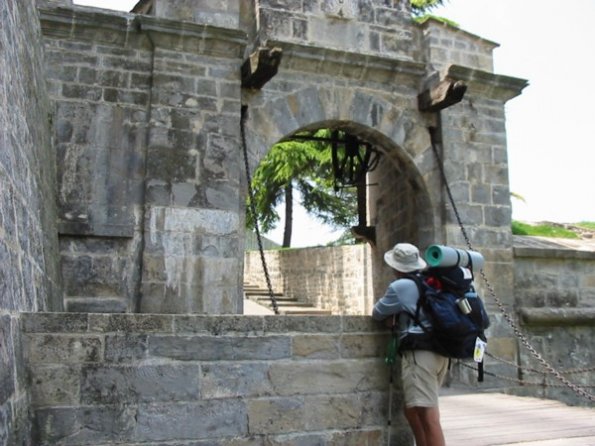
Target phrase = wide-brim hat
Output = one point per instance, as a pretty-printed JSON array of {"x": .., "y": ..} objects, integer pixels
[{"x": 404, "y": 257}]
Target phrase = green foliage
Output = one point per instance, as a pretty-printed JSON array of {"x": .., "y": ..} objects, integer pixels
[
  {"x": 307, "y": 167},
  {"x": 420, "y": 7},
  {"x": 590, "y": 225},
  {"x": 543, "y": 230},
  {"x": 425, "y": 17}
]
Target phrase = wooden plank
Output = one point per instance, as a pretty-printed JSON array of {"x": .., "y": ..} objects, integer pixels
[{"x": 490, "y": 419}]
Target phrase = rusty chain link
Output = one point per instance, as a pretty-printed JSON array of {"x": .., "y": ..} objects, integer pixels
[
  {"x": 509, "y": 319},
  {"x": 244, "y": 115},
  {"x": 521, "y": 381}
]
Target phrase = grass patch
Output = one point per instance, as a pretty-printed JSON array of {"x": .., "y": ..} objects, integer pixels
[
  {"x": 590, "y": 225},
  {"x": 542, "y": 230}
]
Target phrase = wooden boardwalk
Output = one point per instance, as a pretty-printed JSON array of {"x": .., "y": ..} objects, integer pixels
[{"x": 494, "y": 419}]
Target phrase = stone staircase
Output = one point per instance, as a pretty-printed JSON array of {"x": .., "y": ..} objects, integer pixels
[{"x": 286, "y": 305}]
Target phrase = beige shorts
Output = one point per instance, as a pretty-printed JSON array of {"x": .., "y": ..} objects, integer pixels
[{"x": 422, "y": 373}]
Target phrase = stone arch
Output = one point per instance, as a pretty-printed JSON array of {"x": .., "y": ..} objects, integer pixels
[{"x": 405, "y": 204}]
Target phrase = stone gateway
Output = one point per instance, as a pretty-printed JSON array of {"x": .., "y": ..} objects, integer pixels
[{"x": 122, "y": 210}]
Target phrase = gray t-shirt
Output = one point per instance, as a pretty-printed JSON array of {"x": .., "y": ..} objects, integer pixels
[{"x": 401, "y": 298}]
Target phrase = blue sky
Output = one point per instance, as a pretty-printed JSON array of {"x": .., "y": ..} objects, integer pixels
[{"x": 550, "y": 127}]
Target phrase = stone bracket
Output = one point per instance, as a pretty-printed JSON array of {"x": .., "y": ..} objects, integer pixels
[
  {"x": 365, "y": 233},
  {"x": 446, "y": 93},
  {"x": 261, "y": 67},
  {"x": 559, "y": 317}
]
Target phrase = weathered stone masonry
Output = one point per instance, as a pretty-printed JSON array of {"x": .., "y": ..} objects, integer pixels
[
  {"x": 150, "y": 192},
  {"x": 29, "y": 278},
  {"x": 209, "y": 380}
]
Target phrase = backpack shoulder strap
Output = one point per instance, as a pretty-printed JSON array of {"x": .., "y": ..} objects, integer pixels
[{"x": 418, "y": 280}]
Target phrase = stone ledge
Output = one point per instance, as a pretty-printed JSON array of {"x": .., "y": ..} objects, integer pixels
[
  {"x": 191, "y": 37},
  {"x": 193, "y": 324},
  {"x": 138, "y": 31},
  {"x": 556, "y": 253},
  {"x": 558, "y": 317},
  {"x": 300, "y": 57},
  {"x": 492, "y": 85}
]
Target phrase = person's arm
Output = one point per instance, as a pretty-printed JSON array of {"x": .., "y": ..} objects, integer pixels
[{"x": 388, "y": 305}]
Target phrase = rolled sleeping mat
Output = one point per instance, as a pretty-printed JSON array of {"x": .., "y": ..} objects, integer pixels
[{"x": 440, "y": 255}]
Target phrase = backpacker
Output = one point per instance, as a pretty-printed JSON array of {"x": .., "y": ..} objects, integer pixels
[{"x": 455, "y": 311}]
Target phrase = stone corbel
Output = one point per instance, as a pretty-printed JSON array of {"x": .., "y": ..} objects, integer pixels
[
  {"x": 485, "y": 83},
  {"x": 261, "y": 67},
  {"x": 442, "y": 95},
  {"x": 365, "y": 233}
]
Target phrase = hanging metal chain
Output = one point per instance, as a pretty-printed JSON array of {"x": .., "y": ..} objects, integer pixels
[
  {"x": 531, "y": 370},
  {"x": 549, "y": 368},
  {"x": 520, "y": 381},
  {"x": 244, "y": 115}
]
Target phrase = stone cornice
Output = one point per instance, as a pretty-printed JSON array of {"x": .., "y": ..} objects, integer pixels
[
  {"x": 494, "y": 86},
  {"x": 192, "y": 37},
  {"x": 314, "y": 59},
  {"x": 432, "y": 22},
  {"x": 557, "y": 317},
  {"x": 89, "y": 24},
  {"x": 552, "y": 253}
]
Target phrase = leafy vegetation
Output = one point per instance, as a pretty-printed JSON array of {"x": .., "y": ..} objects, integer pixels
[
  {"x": 305, "y": 166},
  {"x": 420, "y": 7},
  {"x": 589, "y": 225},
  {"x": 542, "y": 229}
]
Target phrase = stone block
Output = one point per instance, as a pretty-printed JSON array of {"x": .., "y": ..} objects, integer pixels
[
  {"x": 316, "y": 347},
  {"x": 125, "y": 347},
  {"x": 130, "y": 323},
  {"x": 75, "y": 426},
  {"x": 96, "y": 304},
  {"x": 123, "y": 385},
  {"x": 302, "y": 324},
  {"x": 364, "y": 345},
  {"x": 241, "y": 380},
  {"x": 497, "y": 216},
  {"x": 343, "y": 412},
  {"x": 55, "y": 384},
  {"x": 59, "y": 348},
  {"x": 503, "y": 347},
  {"x": 333, "y": 376},
  {"x": 54, "y": 322},
  {"x": 206, "y": 348},
  {"x": 192, "y": 421},
  {"x": 276, "y": 415},
  {"x": 219, "y": 325},
  {"x": 7, "y": 359}
]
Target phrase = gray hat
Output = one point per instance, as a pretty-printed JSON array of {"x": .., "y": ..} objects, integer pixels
[{"x": 404, "y": 257}]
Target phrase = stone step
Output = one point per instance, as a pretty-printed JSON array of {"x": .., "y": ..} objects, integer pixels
[
  {"x": 285, "y": 305},
  {"x": 278, "y": 299},
  {"x": 260, "y": 292},
  {"x": 305, "y": 312}
]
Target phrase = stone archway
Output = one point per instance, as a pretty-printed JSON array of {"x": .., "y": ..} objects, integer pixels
[{"x": 402, "y": 194}]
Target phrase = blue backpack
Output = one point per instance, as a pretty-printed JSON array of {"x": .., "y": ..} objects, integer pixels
[{"x": 457, "y": 314}]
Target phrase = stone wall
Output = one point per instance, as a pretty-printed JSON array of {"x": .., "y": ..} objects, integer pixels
[
  {"x": 337, "y": 279},
  {"x": 29, "y": 279},
  {"x": 98, "y": 72},
  {"x": 563, "y": 337},
  {"x": 555, "y": 288},
  {"x": 554, "y": 277},
  {"x": 146, "y": 129},
  {"x": 209, "y": 380},
  {"x": 371, "y": 27}
]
